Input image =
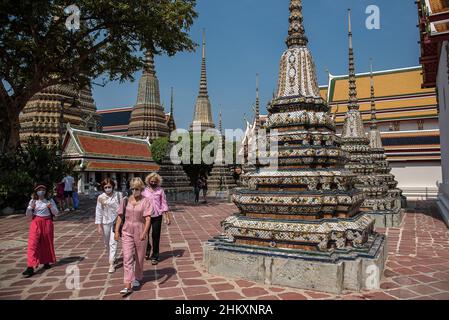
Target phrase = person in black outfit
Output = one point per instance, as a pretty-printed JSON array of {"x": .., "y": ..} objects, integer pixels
[{"x": 197, "y": 189}]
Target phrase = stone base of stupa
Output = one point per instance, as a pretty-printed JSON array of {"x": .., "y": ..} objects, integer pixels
[
  {"x": 333, "y": 272},
  {"x": 389, "y": 219},
  {"x": 179, "y": 195}
]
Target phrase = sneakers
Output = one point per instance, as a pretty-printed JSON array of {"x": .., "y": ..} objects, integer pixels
[
  {"x": 154, "y": 261},
  {"x": 28, "y": 272},
  {"x": 67, "y": 210},
  {"x": 136, "y": 284},
  {"x": 126, "y": 291},
  {"x": 111, "y": 268}
]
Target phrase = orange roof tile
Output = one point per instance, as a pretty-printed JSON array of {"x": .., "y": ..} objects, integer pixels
[{"x": 113, "y": 147}]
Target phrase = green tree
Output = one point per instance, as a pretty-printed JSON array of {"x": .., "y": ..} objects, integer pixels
[
  {"x": 37, "y": 50},
  {"x": 159, "y": 149},
  {"x": 33, "y": 164}
]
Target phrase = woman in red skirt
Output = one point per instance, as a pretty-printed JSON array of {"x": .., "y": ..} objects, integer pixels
[{"x": 41, "y": 249}]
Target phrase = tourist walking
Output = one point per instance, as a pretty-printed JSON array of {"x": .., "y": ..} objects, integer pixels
[
  {"x": 197, "y": 189},
  {"x": 92, "y": 189},
  {"x": 136, "y": 212},
  {"x": 105, "y": 215},
  {"x": 156, "y": 194},
  {"x": 60, "y": 195},
  {"x": 41, "y": 248},
  {"x": 69, "y": 182},
  {"x": 204, "y": 187},
  {"x": 124, "y": 183}
]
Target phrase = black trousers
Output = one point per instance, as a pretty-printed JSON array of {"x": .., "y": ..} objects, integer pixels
[
  {"x": 197, "y": 196},
  {"x": 156, "y": 225}
]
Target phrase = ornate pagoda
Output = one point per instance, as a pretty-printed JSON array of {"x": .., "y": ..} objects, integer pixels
[
  {"x": 48, "y": 112},
  {"x": 202, "y": 117},
  {"x": 175, "y": 181},
  {"x": 221, "y": 180},
  {"x": 148, "y": 117},
  {"x": 300, "y": 225},
  {"x": 392, "y": 211},
  {"x": 357, "y": 144}
]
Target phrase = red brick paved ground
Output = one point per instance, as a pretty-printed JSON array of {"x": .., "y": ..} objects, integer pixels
[{"x": 417, "y": 268}]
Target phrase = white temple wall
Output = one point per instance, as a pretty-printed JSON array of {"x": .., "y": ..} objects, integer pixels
[
  {"x": 418, "y": 180},
  {"x": 443, "y": 101}
]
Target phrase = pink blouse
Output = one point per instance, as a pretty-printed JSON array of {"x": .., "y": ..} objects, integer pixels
[
  {"x": 158, "y": 200},
  {"x": 135, "y": 215}
]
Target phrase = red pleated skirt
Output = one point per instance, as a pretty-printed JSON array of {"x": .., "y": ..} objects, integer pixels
[{"x": 41, "y": 249}]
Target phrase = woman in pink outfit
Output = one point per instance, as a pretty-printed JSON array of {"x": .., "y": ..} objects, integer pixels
[
  {"x": 156, "y": 194},
  {"x": 137, "y": 214}
]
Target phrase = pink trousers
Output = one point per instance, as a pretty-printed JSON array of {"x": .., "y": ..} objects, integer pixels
[
  {"x": 41, "y": 249},
  {"x": 133, "y": 252}
]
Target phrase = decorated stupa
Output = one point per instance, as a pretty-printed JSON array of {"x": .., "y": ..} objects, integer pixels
[
  {"x": 47, "y": 113},
  {"x": 202, "y": 116},
  {"x": 175, "y": 181},
  {"x": 148, "y": 116},
  {"x": 361, "y": 161},
  {"x": 300, "y": 225},
  {"x": 221, "y": 181},
  {"x": 392, "y": 217}
]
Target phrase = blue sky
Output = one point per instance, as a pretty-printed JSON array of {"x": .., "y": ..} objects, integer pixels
[{"x": 245, "y": 37}]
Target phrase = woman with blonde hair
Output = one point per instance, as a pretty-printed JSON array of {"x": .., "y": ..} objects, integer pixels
[
  {"x": 136, "y": 214},
  {"x": 106, "y": 212},
  {"x": 156, "y": 194}
]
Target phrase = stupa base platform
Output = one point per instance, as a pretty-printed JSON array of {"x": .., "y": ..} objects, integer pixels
[
  {"x": 389, "y": 219},
  {"x": 351, "y": 269},
  {"x": 179, "y": 195}
]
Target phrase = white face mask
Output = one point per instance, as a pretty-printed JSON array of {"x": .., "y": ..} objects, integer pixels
[
  {"x": 40, "y": 194},
  {"x": 108, "y": 189}
]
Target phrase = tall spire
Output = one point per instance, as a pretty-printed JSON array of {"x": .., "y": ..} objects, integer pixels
[
  {"x": 202, "y": 118},
  {"x": 296, "y": 33},
  {"x": 220, "y": 123},
  {"x": 148, "y": 117},
  {"x": 149, "y": 65},
  {"x": 257, "y": 111},
  {"x": 373, "y": 102},
  {"x": 171, "y": 102},
  {"x": 203, "y": 81},
  {"x": 353, "y": 103}
]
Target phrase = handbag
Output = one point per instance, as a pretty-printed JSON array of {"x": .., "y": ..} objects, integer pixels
[{"x": 125, "y": 204}]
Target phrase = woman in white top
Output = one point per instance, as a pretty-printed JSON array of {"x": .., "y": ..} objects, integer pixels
[
  {"x": 105, "y": 214},
  {"x": 41, "y": 248}
]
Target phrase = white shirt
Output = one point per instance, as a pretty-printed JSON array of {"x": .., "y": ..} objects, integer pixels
[
  {"x": 41, "y": 209},
  {"x": 68, "y": 183},
  {"x": 107, "y": 208}
]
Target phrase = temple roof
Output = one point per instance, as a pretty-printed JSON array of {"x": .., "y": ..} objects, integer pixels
[
  {"x": 433, "y": 30},
  {"x": 399, "y": 95},
  {"x": 100, "y": 145}
]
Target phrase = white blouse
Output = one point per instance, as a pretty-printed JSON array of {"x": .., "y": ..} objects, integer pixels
[
  {"x": 107, "y": 208},
  {"x": 41, "y": 209}
]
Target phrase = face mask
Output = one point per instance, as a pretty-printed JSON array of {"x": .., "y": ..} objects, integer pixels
[
  {"x": 153, "y": 184},
  {"x": 41, "y": 193},
  {"x": 108, "y": 190},
  {"x": 136, "y": 192}
]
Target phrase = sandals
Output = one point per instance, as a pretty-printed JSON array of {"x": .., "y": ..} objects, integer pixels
[{"x": 126, "y": 291}]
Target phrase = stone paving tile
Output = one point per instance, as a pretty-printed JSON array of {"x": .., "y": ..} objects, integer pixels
[{"x": 417, "y": 267}]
